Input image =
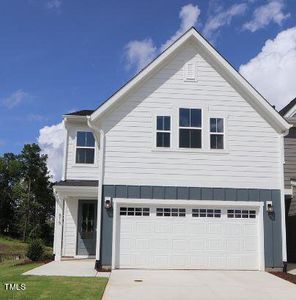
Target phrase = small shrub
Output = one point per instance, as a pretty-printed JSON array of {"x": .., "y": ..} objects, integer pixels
[{"x": 35, "y": 250}]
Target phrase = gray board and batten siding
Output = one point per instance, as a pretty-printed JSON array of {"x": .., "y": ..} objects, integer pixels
[{"x": 272, "y": 223}]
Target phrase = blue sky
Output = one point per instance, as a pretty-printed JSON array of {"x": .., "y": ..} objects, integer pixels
[{"x": 58, "y": 56}]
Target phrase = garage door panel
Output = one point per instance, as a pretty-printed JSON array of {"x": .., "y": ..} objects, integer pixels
[
  {"x": 198, "y": 228},
  {"x": 179, "y": 245},
  {"x": 197, "y": 245},
  {"x": 159, "y": 243},
  {"x": 250, "y": 244},
  {"x": 143, "y": 227},
  {"x": 175, "y": 238},
  {"x": 142, "y": 244}
]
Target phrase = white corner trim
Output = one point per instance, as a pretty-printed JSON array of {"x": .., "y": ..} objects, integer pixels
[
  {"x": 100, "y": 193},
  {"x": 283, "y": 206},
  {"x": 261, "y": 238},
  {"x": 100, "y": 138},
  {"x": 65, "y": 154}
]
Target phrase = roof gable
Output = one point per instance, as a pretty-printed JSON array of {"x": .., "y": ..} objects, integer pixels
[
  {"x": 259, "y": 103},
  {"x": 289, "y": 110}
]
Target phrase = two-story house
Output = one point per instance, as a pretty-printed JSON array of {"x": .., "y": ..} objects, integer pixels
[
  {"x": 289, "y": 113},
  {"x": 181, "y": 168}
]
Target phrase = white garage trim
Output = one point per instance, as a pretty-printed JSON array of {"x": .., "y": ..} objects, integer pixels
[{"x": 117, "y": 202}]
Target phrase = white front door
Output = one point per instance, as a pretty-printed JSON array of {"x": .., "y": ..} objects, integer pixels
[{"x": 187, "y": 237}]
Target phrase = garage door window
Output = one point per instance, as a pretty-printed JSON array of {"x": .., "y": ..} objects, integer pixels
[
  {"x": 170, "y": 212},
  {"x": 206, "y": 213},
  {"x": 241, "y": 214},
  {"x": 134, "y": 211}
]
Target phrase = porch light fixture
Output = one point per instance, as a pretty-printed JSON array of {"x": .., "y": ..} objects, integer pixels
[
  {"x": 108, "y": 202},
  {"x": 269, "y": 207}
]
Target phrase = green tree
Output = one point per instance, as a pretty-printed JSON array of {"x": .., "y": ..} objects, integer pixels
[
  {"x": 10, "y": 175},
  {"x": 36, "y": 200}
]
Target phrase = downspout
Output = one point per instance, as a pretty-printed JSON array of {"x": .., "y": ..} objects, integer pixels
[
  {"x": 283, "y": 206},
  {"x": 65, "y": 158},
  {"x": 100, "y": 139}
]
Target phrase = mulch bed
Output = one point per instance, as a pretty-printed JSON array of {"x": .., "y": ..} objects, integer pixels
[{"x": 286, "y": 276}]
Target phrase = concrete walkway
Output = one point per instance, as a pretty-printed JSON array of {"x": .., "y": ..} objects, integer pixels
[
  {"x": 76, "y": 268},
  {"x": 205, "y": 285}
]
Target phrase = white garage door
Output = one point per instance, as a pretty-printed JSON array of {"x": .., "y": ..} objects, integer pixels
[{"x": 180, "y": 237}]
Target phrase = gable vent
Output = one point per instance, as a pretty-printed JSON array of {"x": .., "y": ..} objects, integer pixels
[{"x": 190, "y": 71}]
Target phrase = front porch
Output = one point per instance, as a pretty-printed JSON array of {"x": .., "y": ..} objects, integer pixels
[
  {"x": 76, "y": 220},
  {"x": 74, "y": 268}
]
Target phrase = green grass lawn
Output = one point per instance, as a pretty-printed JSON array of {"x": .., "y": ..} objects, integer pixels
[{"x": 48, "y": 287}]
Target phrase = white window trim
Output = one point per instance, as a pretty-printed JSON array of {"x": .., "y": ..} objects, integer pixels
[
  {"x": 95, "y": 163},
  {"x": 199, "y": 128},
  {"x": 225, "y": 150},
  {"x": 173, "y": 112},
  {"x": 216, "y": 133},
  {"x": 162, "y": 131},
  {"x": 154, "y": 128}
]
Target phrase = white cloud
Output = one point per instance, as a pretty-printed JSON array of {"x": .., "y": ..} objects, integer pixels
[
  {"x": 189, "y": 15},
  {"x": 51, "y": 142},
  {"x": 139, "y": 53},
  {"x": 273, "y": 70},
  {"x": 14, "y": 99},
  {"x": 36, "y": 118},
  {"x": 223, "y": 17},
  {"x": 53, "y": 4},
  {"x": 265, "y": 14}
]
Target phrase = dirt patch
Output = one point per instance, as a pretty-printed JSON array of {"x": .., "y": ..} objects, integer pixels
[
  {"x": 286, "y": 276},
  {"x": 3, "y": 247},
  {"x": 28, "y": 261}
]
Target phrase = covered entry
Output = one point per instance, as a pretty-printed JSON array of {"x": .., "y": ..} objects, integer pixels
[
  {"x": 87, "y": 226},
  {"x": 180, "y": 234}
]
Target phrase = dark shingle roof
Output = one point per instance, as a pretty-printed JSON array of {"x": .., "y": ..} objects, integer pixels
[
  {"x": 85, "y": 112},
  {"x": 284, "y": 110},
  {"x": 77, "y": 183}
]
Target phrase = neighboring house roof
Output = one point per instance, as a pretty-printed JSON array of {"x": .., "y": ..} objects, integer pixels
[
  {"x": 250, "y": 93},
  {"x": 287, "y": 108},
  {"x": 77, "y": 183},
  {"x": 85, "y": 112}
]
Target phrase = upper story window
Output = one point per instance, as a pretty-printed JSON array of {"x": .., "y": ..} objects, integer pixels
[
  {"x": 217, "y": 133},
  {"x": 85, "y": 148},
  {"x": 163, "y": 131},
  {"x": 190, "y": 128}
]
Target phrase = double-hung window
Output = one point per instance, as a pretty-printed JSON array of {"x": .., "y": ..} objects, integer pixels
[
  {"x": 190, "y": 128},
  {"x": 163, "y": 131},
  {"x": 217, "y": 133},
  {"x": 85, "y": 147}
]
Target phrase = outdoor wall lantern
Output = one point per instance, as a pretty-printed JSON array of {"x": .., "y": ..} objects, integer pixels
[
  {"x": 108, "y": 202},
  {"x": 269, "y": 207}
]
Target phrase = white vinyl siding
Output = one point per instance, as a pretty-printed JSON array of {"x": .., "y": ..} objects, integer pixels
[
  {"x": 252, "y": 157},
  {"x": 70, "y": 227},
  {"x": 74, "y": 170}
]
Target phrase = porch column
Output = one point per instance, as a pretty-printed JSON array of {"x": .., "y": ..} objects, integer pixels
[{"x": 58, "y": 227}]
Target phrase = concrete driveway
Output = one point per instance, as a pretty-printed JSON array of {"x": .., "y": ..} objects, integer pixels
[{"x": 203, "y": 285}]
